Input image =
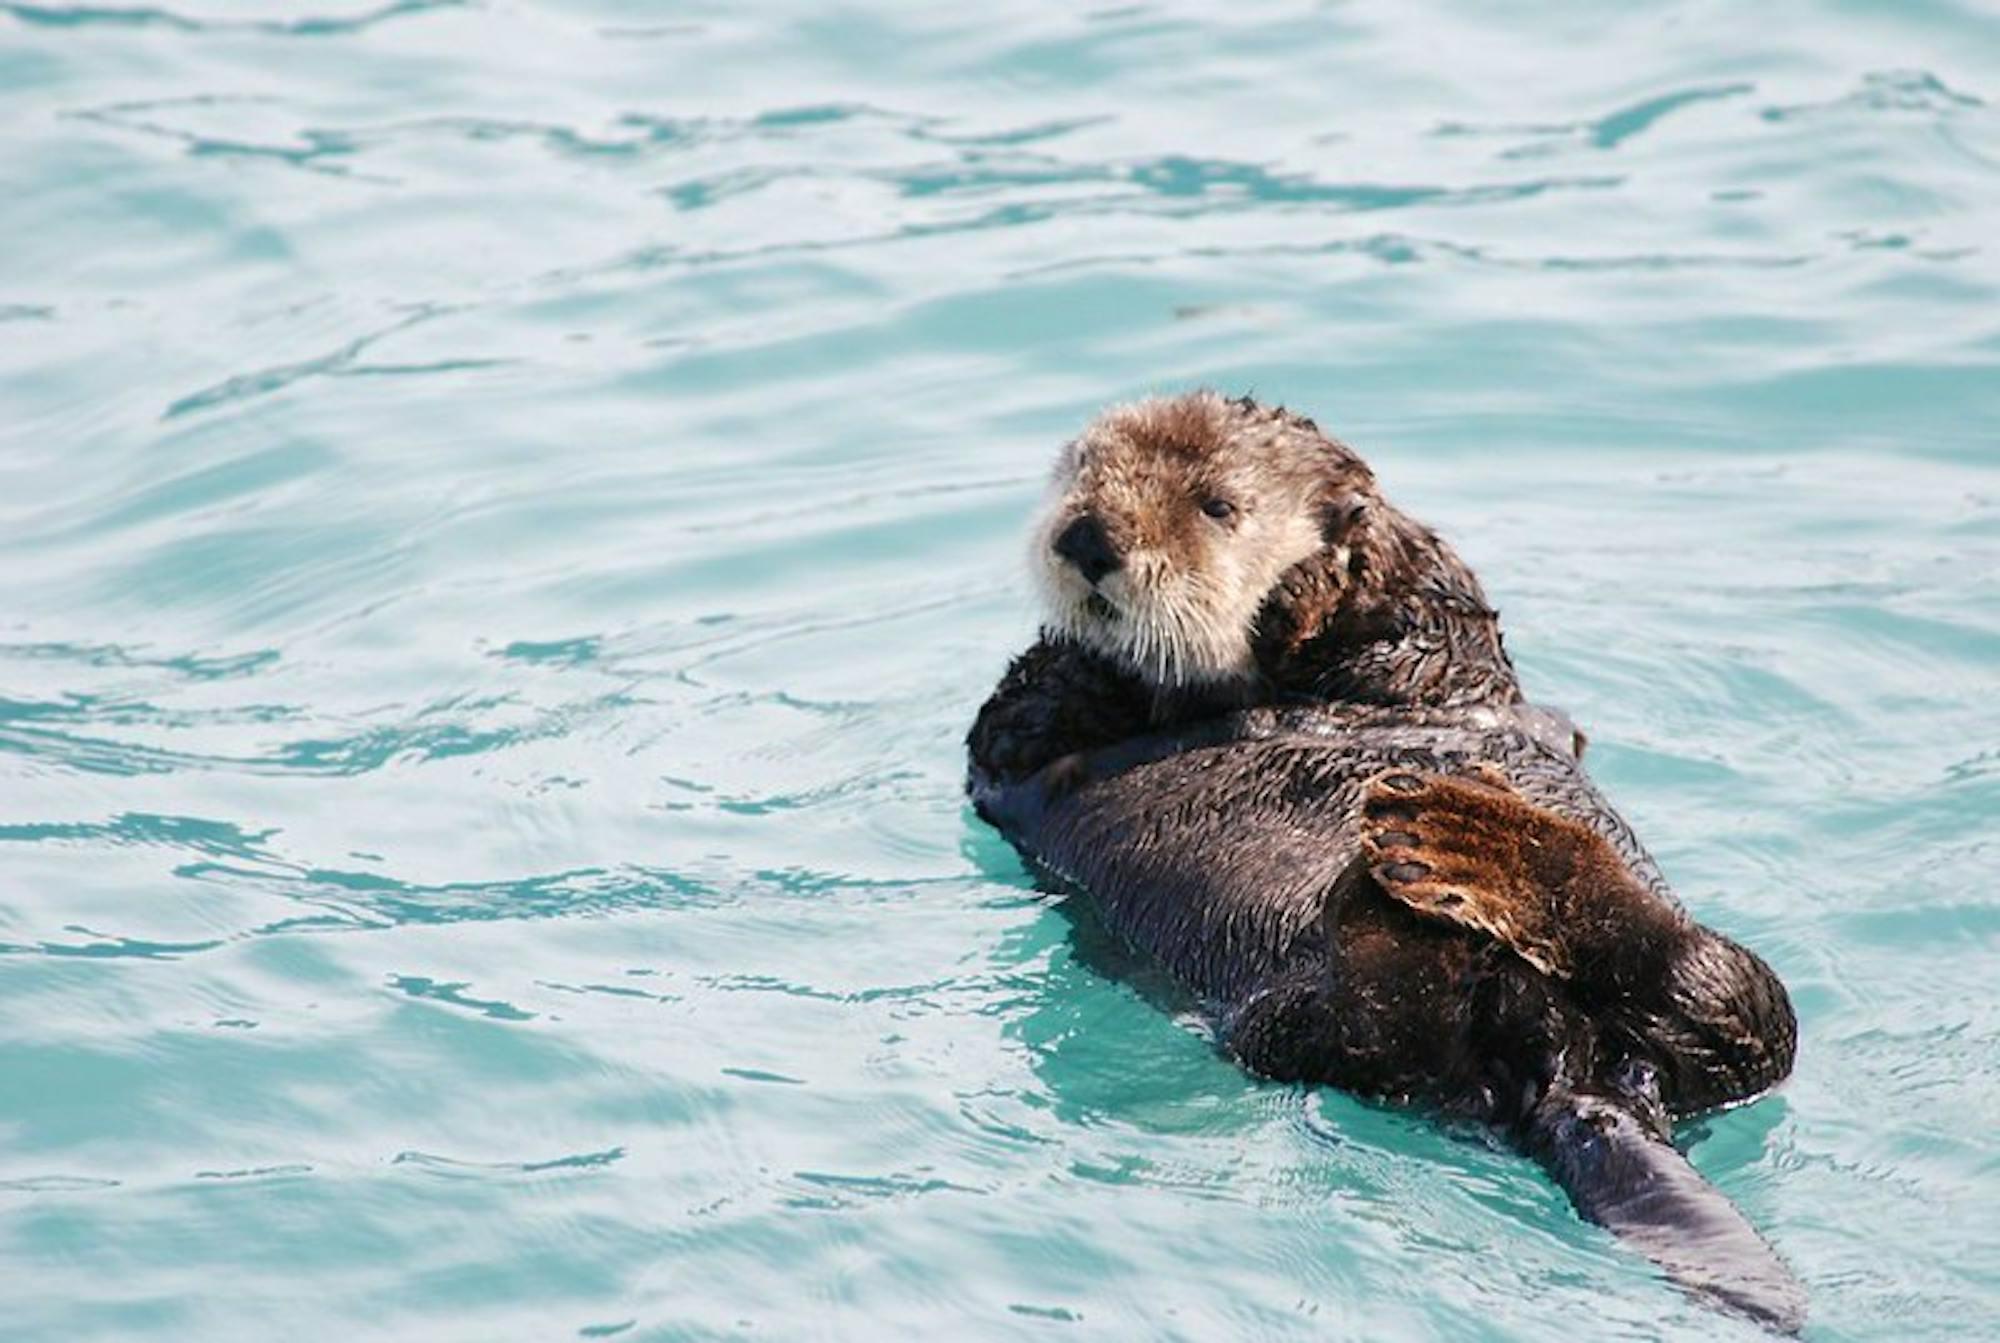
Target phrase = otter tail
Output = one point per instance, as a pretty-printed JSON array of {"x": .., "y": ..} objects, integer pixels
[{"x": 1624, "y": 1175}]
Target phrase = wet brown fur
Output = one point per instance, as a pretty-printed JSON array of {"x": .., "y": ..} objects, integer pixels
[
  {"x": 1180, "y": 609},
  {"x": 1376, "y": 610},
  {"x": 1353, "y": 837}
]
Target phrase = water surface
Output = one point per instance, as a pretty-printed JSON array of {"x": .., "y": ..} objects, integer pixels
[{"x": 508, "y": 508}]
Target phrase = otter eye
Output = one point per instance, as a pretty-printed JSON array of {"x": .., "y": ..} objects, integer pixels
[{"x": 1219, "y": 509}]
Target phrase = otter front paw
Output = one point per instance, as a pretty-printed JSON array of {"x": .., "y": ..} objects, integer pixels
[{"x": 1452, "y": 848}]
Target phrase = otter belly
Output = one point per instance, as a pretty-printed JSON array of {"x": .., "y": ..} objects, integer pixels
[
  {"x": 1214, "y": 850},
  {"x": 1437, "y": 906}
]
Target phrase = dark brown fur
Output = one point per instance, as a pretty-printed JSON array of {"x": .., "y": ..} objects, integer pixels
[
  {"x": 1383, "y": 613},
  {"x": 1396, "y": 877},
  {"x": 1400, "y": 621}
]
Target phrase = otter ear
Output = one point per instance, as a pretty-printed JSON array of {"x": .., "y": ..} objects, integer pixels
[{"x": 1068, "y": 461}]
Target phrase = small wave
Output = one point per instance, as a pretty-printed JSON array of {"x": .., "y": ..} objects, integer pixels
[
  {"x": 149, "y": 16},
  {"x": 1885, "y": 91}
]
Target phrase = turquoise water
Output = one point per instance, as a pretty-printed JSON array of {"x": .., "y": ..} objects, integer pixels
[{"x": 507, "y": 510}]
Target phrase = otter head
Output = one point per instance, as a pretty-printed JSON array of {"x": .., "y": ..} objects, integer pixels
[{"x": 1171, "y": 522}]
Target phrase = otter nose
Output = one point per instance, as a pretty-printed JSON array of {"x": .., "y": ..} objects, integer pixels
[{"x": 1084, "y": 544}]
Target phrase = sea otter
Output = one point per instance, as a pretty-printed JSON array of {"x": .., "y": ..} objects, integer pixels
[{"x": 1271, "y": 731}]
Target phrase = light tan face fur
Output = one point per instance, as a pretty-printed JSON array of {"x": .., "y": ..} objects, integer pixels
[{"x": 1182, "y": 604}]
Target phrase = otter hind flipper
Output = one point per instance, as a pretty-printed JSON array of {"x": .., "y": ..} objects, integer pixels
[
  {"x": 1472, "y": 851},
  {"x": 1621, "y": 1172},
  {"x": 1469, "y": 850}
]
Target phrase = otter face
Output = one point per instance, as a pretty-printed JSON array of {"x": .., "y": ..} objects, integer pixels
[{"x": 1169, "y": 522}]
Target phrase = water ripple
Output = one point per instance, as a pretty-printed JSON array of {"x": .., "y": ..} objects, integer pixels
[
  {"x": 149, "y": 16},
  {"x": 507, "y": 510}
]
